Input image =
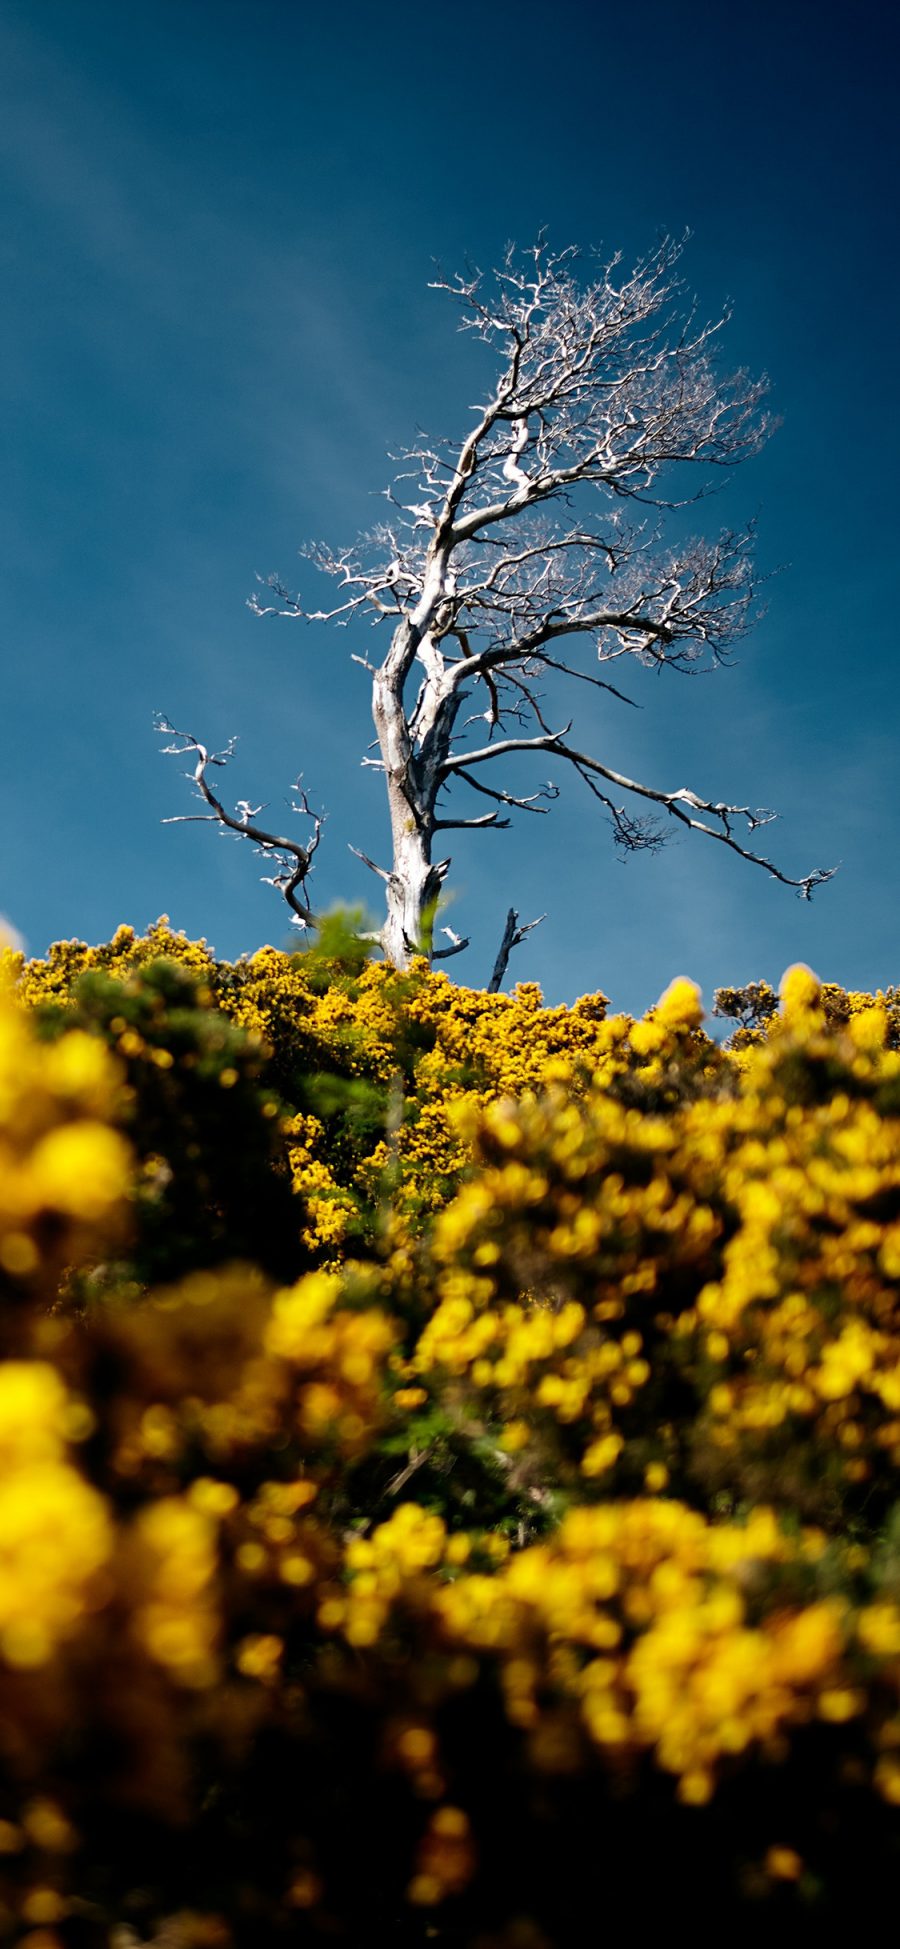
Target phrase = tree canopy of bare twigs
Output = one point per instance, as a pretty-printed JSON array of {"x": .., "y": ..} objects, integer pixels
[{"x": 535, "y": 548}]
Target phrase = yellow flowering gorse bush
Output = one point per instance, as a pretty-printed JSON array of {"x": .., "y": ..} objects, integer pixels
[{"x": 564, "y": 1479}]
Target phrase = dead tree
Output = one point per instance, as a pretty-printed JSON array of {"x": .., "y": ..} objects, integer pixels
[{"x": 534, "y": 550}]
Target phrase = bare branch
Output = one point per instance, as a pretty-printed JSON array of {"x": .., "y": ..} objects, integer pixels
[
  {"x": 548, "y": 741},
  {"x": 293, "y": 860},
  {"x": 417, "y": 1458},
  {"x": 513, "y": 935},
  {"x": 370, "y": 863},
  {"x": 582, "y": 676},
  {"x": 488, "y": 820},
  {"x": 527, "y": 804},
  {"x": 458, "y": 943}
]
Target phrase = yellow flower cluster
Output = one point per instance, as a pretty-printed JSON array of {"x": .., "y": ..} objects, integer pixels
[
  {"x": 800, "y": 1329},
  {"x": 220, "y": 1367},
  {"x": 396, "y": 1557},
  {"x": 64, "y": 1173},
  {"x": 338, "y": 1356},
  {"x": 557, "y": 1259},
  {"x": 277, "y": 1544},
  {"x": 744, "y": 1241},
  {"x": 194, "y": 1376},
  {"x": 41, "y": 981},
  {"x": 658, "y": 1630},
  {"x": 330, "y": 1207},
  {"x": 446, "y": 1857},
  {"x": 56, "y": 1535},
  {"x": 172, "y": 1558}
]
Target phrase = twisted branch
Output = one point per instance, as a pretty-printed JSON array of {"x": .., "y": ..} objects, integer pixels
[{"x": 294, "y": 860}]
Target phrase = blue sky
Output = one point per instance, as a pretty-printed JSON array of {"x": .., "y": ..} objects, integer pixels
[{"x": 218, "y": 219}]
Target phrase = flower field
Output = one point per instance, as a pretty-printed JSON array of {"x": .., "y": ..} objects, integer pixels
[{"x": 449, "y": 1456}]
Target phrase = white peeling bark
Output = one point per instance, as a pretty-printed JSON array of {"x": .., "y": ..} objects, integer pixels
[
  {"x": 413, "y": 778},
  {"x": 412, "y": 892}
]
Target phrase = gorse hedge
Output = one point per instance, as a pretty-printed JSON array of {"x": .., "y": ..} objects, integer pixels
[{"x": 448, "y": 1455}]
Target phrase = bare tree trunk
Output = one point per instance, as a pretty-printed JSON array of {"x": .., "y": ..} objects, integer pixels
[
  {"x": 414, "y": 881},
  {"x": 412, "y": 890}
]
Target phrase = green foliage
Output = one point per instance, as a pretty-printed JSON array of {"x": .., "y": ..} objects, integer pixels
[{"x": 339, "y": 947}]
